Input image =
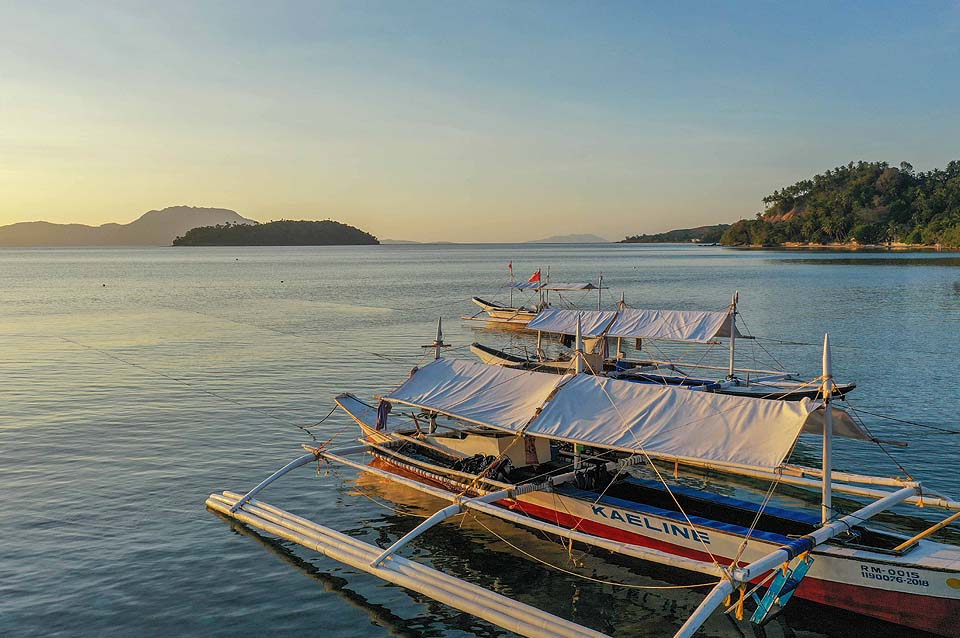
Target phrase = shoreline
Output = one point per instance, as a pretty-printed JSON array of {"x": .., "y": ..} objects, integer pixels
[{"x": 838, "y": 247}]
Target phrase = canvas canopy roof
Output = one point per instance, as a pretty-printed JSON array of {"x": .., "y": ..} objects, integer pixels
[
  {"x": 672, "y": 325},
  {"x": 673, "y": 422},
  {"x": 661, "y": 420},
  {"x": 537, "y": 285},
  {"x": 668, "y": 325},
  {"x": 566, "y": 285},
  {"x": 498, "y": 397},
  {"x": 593, "y": 323}
]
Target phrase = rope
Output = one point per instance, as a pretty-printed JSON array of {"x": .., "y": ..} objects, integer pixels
[
  {"x": 656, "y": 470},
  {"x": 192, "y": 386},
  {"x": 905, "y": 422},
  {"x": 590, "y": 578}
]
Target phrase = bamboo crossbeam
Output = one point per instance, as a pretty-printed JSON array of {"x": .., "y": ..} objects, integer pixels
[
  {"x": 437, "y": 518},
  {"x": 927, "y": 532},
  {"x": 797, "y": 476}
]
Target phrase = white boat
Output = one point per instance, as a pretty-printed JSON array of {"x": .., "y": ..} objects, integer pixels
[
  {"x": 539, "y": 292},
  {"x": 588, "y": 458}
]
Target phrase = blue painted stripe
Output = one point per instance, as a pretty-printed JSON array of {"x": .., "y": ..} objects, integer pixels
[
  {"x": 699, "y": 521},
  {"x": 779, "y": 512}
]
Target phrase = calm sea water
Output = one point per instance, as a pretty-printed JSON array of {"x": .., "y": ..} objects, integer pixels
[{"x": 137, "y": 381}]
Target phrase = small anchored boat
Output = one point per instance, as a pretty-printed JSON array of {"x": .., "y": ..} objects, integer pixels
[
  {"x": 597, "y": 460},
  {"x": 537, "y": 287}
]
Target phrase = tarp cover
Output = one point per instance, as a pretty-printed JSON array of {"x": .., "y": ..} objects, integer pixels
[
  {"x": 843, "y": 425},
  {"x": 672, "y": 421},
  {"x": 592, "y": 322},
  {"x": 673, "y": 325},
  {"x": 494, "y": 396},
  {"x": 566, "y": 285},
  {"x": 538, "y": 285}
]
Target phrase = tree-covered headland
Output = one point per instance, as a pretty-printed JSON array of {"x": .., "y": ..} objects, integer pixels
[
  {"x": 278, "y": 233},
  {"x": 860, "y": 203}
]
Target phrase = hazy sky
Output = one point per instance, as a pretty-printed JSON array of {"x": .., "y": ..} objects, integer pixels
[{"x": 462, "y": 121}]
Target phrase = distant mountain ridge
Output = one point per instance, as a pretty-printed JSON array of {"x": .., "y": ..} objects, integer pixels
[
  {"x": 154, "y": 228},
  {"x": 571, "y": 239}
]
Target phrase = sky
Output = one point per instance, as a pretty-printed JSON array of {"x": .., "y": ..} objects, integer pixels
[{"x": 462, "y": 121}]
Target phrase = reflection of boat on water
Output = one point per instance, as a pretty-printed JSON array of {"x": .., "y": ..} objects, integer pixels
[
  {"x": 605, "y": 334},
  {"x": 378, "y": 614},
  {"x": 557, "y": 453}
]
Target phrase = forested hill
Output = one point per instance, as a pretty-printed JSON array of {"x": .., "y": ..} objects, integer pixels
[
  {"x": 863, "y": 203},
  {"x": 278, "y": 233},
  {"x": 701, "y": 234}
]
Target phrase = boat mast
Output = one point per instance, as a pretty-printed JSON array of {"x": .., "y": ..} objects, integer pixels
[
  {"x": 620, "y": 306},
  {"x": 438, "y": 345},
  {"x": 599, "y": 290},
  {"x": 826, "y": 506},
  {"x": 578, "y": 345},
  {"x": 731, "y": 372}
]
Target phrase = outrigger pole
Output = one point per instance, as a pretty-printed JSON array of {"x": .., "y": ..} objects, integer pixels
[
  {"x": 578, "y": 356},
  {"x": 738, "y": 577}
]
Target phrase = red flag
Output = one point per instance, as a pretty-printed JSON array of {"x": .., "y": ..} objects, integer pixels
[
  {"x": 534, "y": 277},
  {"x": 510, "y": 266}
]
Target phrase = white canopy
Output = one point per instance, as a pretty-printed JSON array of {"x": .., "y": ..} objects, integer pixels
[
  {"x": 537, "y": 285},
  {"x": 665, "y": 421},
  {"x": 566, "y": 285},
  {"x": 672, "y": 325},
  {"x": 494, "y": 396},
  {"x": 593, "y": 323},
  {"x": 668, "y": 325},
  {"x": 843, "y": 424},
  {"x": 673, "y": 422}
]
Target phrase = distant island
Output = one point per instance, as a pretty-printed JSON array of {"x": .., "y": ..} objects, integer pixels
[
  {"x": 860, "y": 204},
  {"x": 154, "y": 228},
  {"x": 277, "y": 233},
  {"x": 700, "y": 234},
  {"x": 571, "y": 239}
]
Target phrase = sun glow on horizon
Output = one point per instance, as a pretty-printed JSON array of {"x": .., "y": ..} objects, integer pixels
[{"x": 496, "y": 122}]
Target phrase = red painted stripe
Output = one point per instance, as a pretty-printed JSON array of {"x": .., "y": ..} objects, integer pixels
[{"x": 926, "y": 613}]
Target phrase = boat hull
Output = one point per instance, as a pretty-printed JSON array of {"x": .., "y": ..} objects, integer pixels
[
  {"x": 893, "y": 589},
  {"x": 505, "y": 314}
]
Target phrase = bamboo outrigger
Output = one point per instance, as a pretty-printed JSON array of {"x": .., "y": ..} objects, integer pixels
[{"x": 580, "y": 456}]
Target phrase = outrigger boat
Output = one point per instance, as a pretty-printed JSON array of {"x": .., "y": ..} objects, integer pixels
[
  {"x": 522, "y": 314},
  {"x": 639, "y": 325},
  {"x": 582, "y": 457}
]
